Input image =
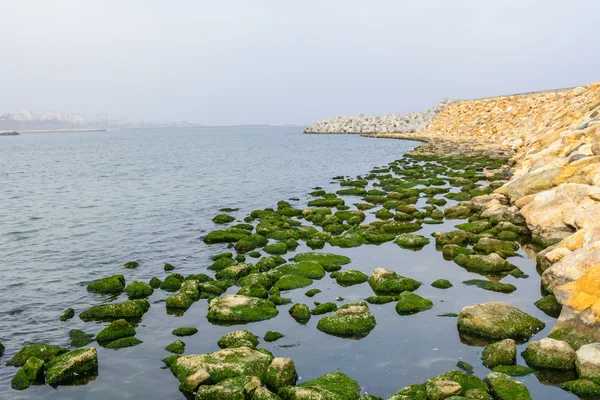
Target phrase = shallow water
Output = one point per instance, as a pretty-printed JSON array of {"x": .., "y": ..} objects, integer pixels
[{"x": 76, "y": 206}]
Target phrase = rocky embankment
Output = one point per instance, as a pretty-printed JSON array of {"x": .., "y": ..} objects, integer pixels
[{"x": 411, "y": 122}]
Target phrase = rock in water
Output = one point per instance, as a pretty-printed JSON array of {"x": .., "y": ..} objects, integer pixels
[
  {"x": 44, "y": 352},
  {"x": 281, "y": 372},
  {"x": 68, "y": 366},
  {"x": 588, "y": 361},
  {"x": 332, "y": 386},
  {"x": 241, "y": 338},
  {"x": 497, "y": 320},
  {"x": 31, "y": 372},
  {"x": 236, "y": 308},
  {"x": 503, "y": 352},
  {"x": 550, "y": 353},
  {"x": 505, "y": 387},
  {"x": 350, "y": 320}
]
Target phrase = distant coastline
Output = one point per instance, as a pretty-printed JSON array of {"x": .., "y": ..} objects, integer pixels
[{"x": 62, "y": 130}]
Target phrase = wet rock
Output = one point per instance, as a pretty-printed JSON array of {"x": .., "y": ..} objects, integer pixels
[
  {"x": 381, "y": 299},
  {"x": 234, "y": 272},
  {"x": 131, "y": 265},
  {"x": 383, "y": 281},
  {"x": 281, "y": 372},
  {"x": 64, "y": 368},
  {"x": 450, "y": 251},
  {"x": 240, "y": 387},
  {"x": 500, "y": 247},
  {"x": 350, "y": 277},
  {"x": 411, "y": 241},
  {"x": 154, "y": 283},
  {"x": 30, "y": 373},
  {"x": 505, "y": 387},
  {"x": 79, "y": 338},
  {"x": 491, "y": 263},
  {"x": 514, "y": 370},
  {"x": 503, "y": 352},
  {"x": 442, "y": 389},
  {"x": 67, "y": 315},
  {"x": 177, "y": 347},
  {"x": 332, "y": 386},
  {"x": 350, "y": 320},
  {"x": 582, "y": 388},
  {"x": 497, "y": 320},
  {"x": 226, "y": 236},
  {"x": 491, "y": 285},
  {"x": 587, "y": 362},
  {"x": 271, "y": 336},
  {"x": 306, "y": 269},
  {"x": 291, "y": 282},
  {"x": 465, "y": 366},
  {"x": 223, "y": 219},
  {"x": 123, "y": 342},
  {"x": 411, "y": 303},
  {"x": 324, "y": 308},
  {"x": 459, "y": 238},
  {"x": 111, "y": 284},
  {"x": 467, "y": 382},
  {"x": 44, "y": 352},
  {"x": 179, "y": 301},
  {"x": 322, "y": 258},
  {"x": 441, "y": 284},
  {"x": 116, "y": 330},
  {"x": 241, "y": 338},
  {"x": 312, "y": 292},
  {"x": 138, "y": 290},
  {"x": 412, "y": 392},
  {"x": 276, "y": 248},
  {"x": 172, "y": 282},
  {"x": 240, "y": 309},
  {"x": 550, "y": 353},
  {"x": 262, "y": 393}
]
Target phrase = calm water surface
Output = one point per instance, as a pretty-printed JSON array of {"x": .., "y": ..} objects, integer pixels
[{"x": 76, "y": 206}]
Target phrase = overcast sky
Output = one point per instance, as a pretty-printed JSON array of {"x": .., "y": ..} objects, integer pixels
[{"x": 232, "y": 62}]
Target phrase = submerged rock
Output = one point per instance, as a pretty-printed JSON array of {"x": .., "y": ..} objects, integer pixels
[
  {"x": 350, "y": 320},
  {"x": 240, "y": 309},
  {"x": 497, "y": 320},
  {"x": 44, "y": 352},
  {"x": 332, "y": 386},
  {"x": 491, "y": 263},
  {"x": 503, "y": 352},
  {"x": 129, "y": 341},
  {"x": 324, "y": 308},
  {"x": 383, "y": 281},
  {"x": 79, "y": 338},
  {"x": 306, "y": 269},
  {"x": 71, "y": 365},
  {"x": 290, "y": 282},
  {"x": 177, "y": 347},
  {"x": 271, "y": 336},
  {"x": 241, "y": 338},
  {"x": 550, "y": 353},
  {"x": 491, "y": 285},
  {"x": 441, "y": 284}
]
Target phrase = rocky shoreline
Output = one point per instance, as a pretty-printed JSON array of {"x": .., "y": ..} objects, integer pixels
[{"x": 9, "y": 133}]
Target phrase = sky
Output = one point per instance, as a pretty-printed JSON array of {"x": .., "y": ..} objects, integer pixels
[{"x": 231, "y": 62}]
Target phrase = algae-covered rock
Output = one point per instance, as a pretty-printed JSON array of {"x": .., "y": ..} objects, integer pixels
[
  {"x": 240, "y": 309},
  {"x": 290, "y": 282},
  {"x": 491, "y": 285},
  {"x": 490, "y": 263},
  {"x": 138, "y": 290},
  {"x": 505, "y": 387},
  {"x": 350, "y": 320},
  {"x": 459, "y": 238},
  {"x": 324, "y": 308},
  {"x": 502, "y": 248},
  {"x": 441, "y": 389},
  {"x": 322, "y": 258},
  {"x": 583, "y": 388},
  {"x": 411, "y": 303},
  {"x": 177, "y": 347},
  {"x": 348, "y": 240},
  {"x": 123, "y": 342},
  {"x": 223, "y": 219},
  {"x": 241, "y": 338},
  {"x": 550, "y": 353},
  {"x": 306, "y": 269},
  {"x": 312, "y": 292},
  {"x": 383, "y": 281},
  {"x": 381, "y": 299},
  {"x": 76, "y": 363},
  {"x": 549, "y": 305},
  {"x": 441, "y": 284},
  {"x": 254, "y": 290},
  {"x": 457, "y": 212},
  {"x": 281, "y": 372},
  {"x": 465, "y": 366},
  {"x": 262, "y": 393},
  {"x": 193, "y": 370},
  {"x": 131, "y": 309},
  {"x": 276, "y": 248},
  {"x": 116, "y": 330},
  {"x": 260, "y": 279},
  {"x": 300, "y": 312},
  {"x": 179, "y": 301},
  {"x": 222, "y": 263},
  {"x": 411, "y": 392},
  {"x": 31, "y": 372},
  {"x": 450, "y": 251},
  {"x": 513, "y": 370},
  {"x": 411, "y": 241},
  {"x": 172, "y": 282},
  {"x": 111, "y": 284},
  {"x": 44, "y": 352},
  {"x": 350, "y": 277},
  {"x": 497, "y": 320},
  {"x": 332, "y": 386},
  {"x": 235, "y": 272},
  {"x": 67, "y": 315},
  {"x": 475, "y": 226},
  {"x": 226, "y": 236},
  {"x": 326, "y": 202},
  {"x": 467, "y": 382},
  {"x": 184, "y": 331},
  {"x": 503, "y": 352},
  {"x": 154, "y": 282},
  {"x": 79, "y": 338},
  {"x": 587, "y": 362},
  {"x": 271, "y": 336},
  {"x": 131, "y": 264},
  {"x": 238, "y": 388}
]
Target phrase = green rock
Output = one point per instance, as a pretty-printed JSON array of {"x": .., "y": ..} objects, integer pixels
[
  {"x": 457, "y": 212},
  {"x": 272, "y": 336},
  {"x": 459, "y": 238},
  {"x": 281, "y": 373},
  {"x": 190, "y": 288},
  {"x": 350, "y": 277},
  {"x": 383, "y": 281},
  {"x": 111, "y": 284},
  {"x": 381, "y": 299},
  {"x": 79, "y": 338},
  {"x": 465, "y": 366},
  {"x": 369, "y": 397},
  {"x": 324, "y": 308},
  {"x": 169, "y": 267},
  {"x": 384, "y": 214},
  {"x": 497, "y": 320},
  {"x": 123, "y": 342},
  {"x": 254, "y": 290},
  {"x": 306, "y": 269},
  {"x": 503, "y": 352},
  {"x": 239, "y": 338},
  {"x": 322, "y": 258},
  {"x": 169, "y": 360},
  {"x": 223, "y": 219},
  {"x": 67, "y": 315},
  {"x": 450, "y": 251},
  {"x": 326, "y": 202},
  {"x": 240, "y": 258},
  {"x": 411, "y": 303},
  {"x": 411, "y": 241},
  {"x": 222, "y": 255},
  {"x": 348, "y": 240},
  {"x": 502, "y": 248},
  {"x": 234, "y": 272},
  {"x": 312, "y": 292},
  {"x": 229, "y": 389},
  {"x": 71, "y": 365},
  {"x": 116, "y": 330},
  {"x": 290, "y": 282},
  {"x": 350, "y": 320},
  {"x": 222, "y": 263},
  {"x": 467, "y": 381},
  {"x": 131, "y": 309},
  {"x": 154, "y": 283},
  {"x": 240, "y": 309},
  {"x": 549, "y": 305},
  {"x": 575, "y": 337},
  {"x": 550, "y": 353},
  {"x": 475, "y": 226},
  {"x": 177, "y": 347},
  {"x": 226, "y": 236},
  {"x": 491, "y": 263},
  {"x": 138, "y": 290},
  {"x": 179, "y": 301},
  {"x": 582, "y": 388},
  {"x": 513, "y": 370},
  {"x": 507, "y": 235},
  {"x": 172, "y": 282},
  {"x": 31, "y": 372},
  {"x": 300, "y": 312},
  {"x": 44, "y": 352},
  {"x": 476, "y": 394},
  {"x": 412, "y": 392},
  {"x": 185, "y": 331},
  {"x": 276, "y": 248},
  {"x": 254, "y": 254},
  {"x": 441, "y": 284},
  {"x": 131, "y": 264},
  {"x": 491, "y": 286},
  {"x": 332, "y": 386},
  {"x": 193, "y": 370},
  {"x": 505, "y": 387}
]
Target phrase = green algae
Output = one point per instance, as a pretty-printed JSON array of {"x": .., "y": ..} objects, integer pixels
[
  {"x": 254, "y": 290},
  {"x": 381, "y": 299},
  {"x": 177, "y": 347},
  {"x": 138, "y": 290},
  {"x": 276, "y": 248},
  {"x": 111, "y": 284},
  {"x": 350, "y": 320},
  {"x": 450, "y": 251},
  {"x": 79, "y": 338},
  {"x": 582, "y": 387},
  {"x": 68, "y": 366},
  {"x": 179, "y": 301},
  {"x": 67, "y": 314},
  {"x": 334, "y": 386},
  {"x": 131, "y": 264},
  {"x": 465, "y": 366},
  {"x": 300, "y": 312},
  {"x": 226, "y": 236},
  {"x": 410, "y": 241},
  {"x": 322, "y": 258},
  {"x": 122, "y": 343},
  {"x": 172, "y": 282},
  {"x": 324, "y": 308},
  {"x": 116, "y": 330},
  {"x": 576, "y": 338},
  {"x": 503, "y": 352},
  {"x": 514, "y": 370},
  {"x": 131, "y": 309},
  {"x": 549, "y": 305},
  {"x": 505, "y": 387},
  {"x": 291, "y": 282},
  {"x": 155, "y": 283},
  {"x": 271, "y": 336},
  {"x": 491, "y": 286},
  {"x": 491, "y": 263},
  {"x": 391, "y": 283},
  {"x": 30, "y": 373},
  {"x": 184, "y": 331},
  {"x": 44, "y": 352},
  {"x": 350, "y": 277},
  {"x": 240, "y": 309},
  {"x": 241, "y": 338},
  {"x": 411, "y": 303},
  {"x": 169, "y": 267},
  {"x": 255, "y": 279},
  {"x": 441, "y": 284},
  {"x": 306, "y": 269}
]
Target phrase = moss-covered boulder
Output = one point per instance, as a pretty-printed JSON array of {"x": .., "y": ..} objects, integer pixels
[
  {"x": 74, "y": 364},
  {"x": 459, "y": 238},
  {"x": 116, "y": 330},
  {"x": 241, "y": 387},
  {"x": 184, "y": 331},
  {"x": 154, "y": 282},
  {"x": 326, "y": 202},
  {"x": 384, "y": 214},
  {"x": 457, "y": 212},
  {"x": 411, "y": 392},
  {"x": 332, "y": 386},
  {"x": 490, "y": 263},
  {"x": 291, "y": 282},
  {"x": 262, "y": 393},
  {"x": 513, "y": 370},
  {"x": 381, "y": 299},
  {"x": 440, "y": 389},
  {"x": 138, "y": 290},
  {"x": 467, "y": 382},
  {"x": 281, "y": 372},
  {"x": 241, "y": 338},
  {"x": 271, "y": 336},
  {"x": 235, "y": 272},
  {"x": 222, "y": 263},
  {"x": 131, "y": 309},
  {"x": 441, "y": 284},
  {"x": 475, "y": 226},
  {"x": 179, "y": 301},
  {"x": 497, "y": 320},
  {"x": 240, "y": 309},
  {"x": 123, "y": 342},
  {"x": 300, "y": 312},
  {"x": 450, "y": 251},
  {"x": 254, "y": 290},
  {"x": 501, "y": 247},
  {"x": 491, "y": 285},
  {"x": 549, "y": 305},
  {"x": 177, "y": 347},
  {"x": 348, "y": 240},
  {"x": 411, "y": 303},
  {"x": 44, "y": 352},
  {"x": 383, "y": 281},
  {"x": 194, "y": 370},
  {"x": 350, "y": 277},
  {"x": 223, "y": 219},
  {"x": 276, "y": 248},
  {"x": 324, "y": 308},
  {"x": 582, "y": 388},
  {"x": 306, "y": 269},
  {"x": 79, "y": 338},
  {"x": 411, "y": 241},
  {"x": 550, "y": 353},
  {"x": 226, "y": 236},
  {"x": 254, "y": 279},
  {"x": 67, "y": 314},
  {"x": 350, "y": 320},
  {"x": 322, "y": 258},
  {"x": 131, "y": 264},
  {"x": 505, "y": 387},
  {"x": 30, "y": 373},
  {"x": 312, "y": 292},
  {"x": 172, "y": 282},
  {"x": 503, "y": 352},
  {"x": 111, "y": 284}
]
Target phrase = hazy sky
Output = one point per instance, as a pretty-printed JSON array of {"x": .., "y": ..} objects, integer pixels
[{"x": 283, "y": 61}]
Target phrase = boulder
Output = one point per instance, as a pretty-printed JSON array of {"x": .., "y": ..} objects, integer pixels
[
  {"x": 497, "y": 320},
  {"x": 587, "y": 362},
  {"x": 411, "y": 303},
  {"x": 116, "y": 330},
  {"x": 30, "y": 373},
  {"x": 238, "y": 388},
  {"x": 490, "y": 263},
  {"x": 350, "y": 320},
  {"x": 300, "y": 312},
  {"x": 131, "y": 309},
  {"x": 71, "y": 365},
  {"x": 281, "y": 372},
  {"x": 240, "y": 309},
  {"x": 550, "y": 353},
  {"x": 503, "y": 352},
  {"x": 241, "y": 338},
  {"x": 332, "y": 386},
  {"x": 44, "y": 352},
  {"x": 383, "y": 281},
  {"x": 505, "y": 387}
]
